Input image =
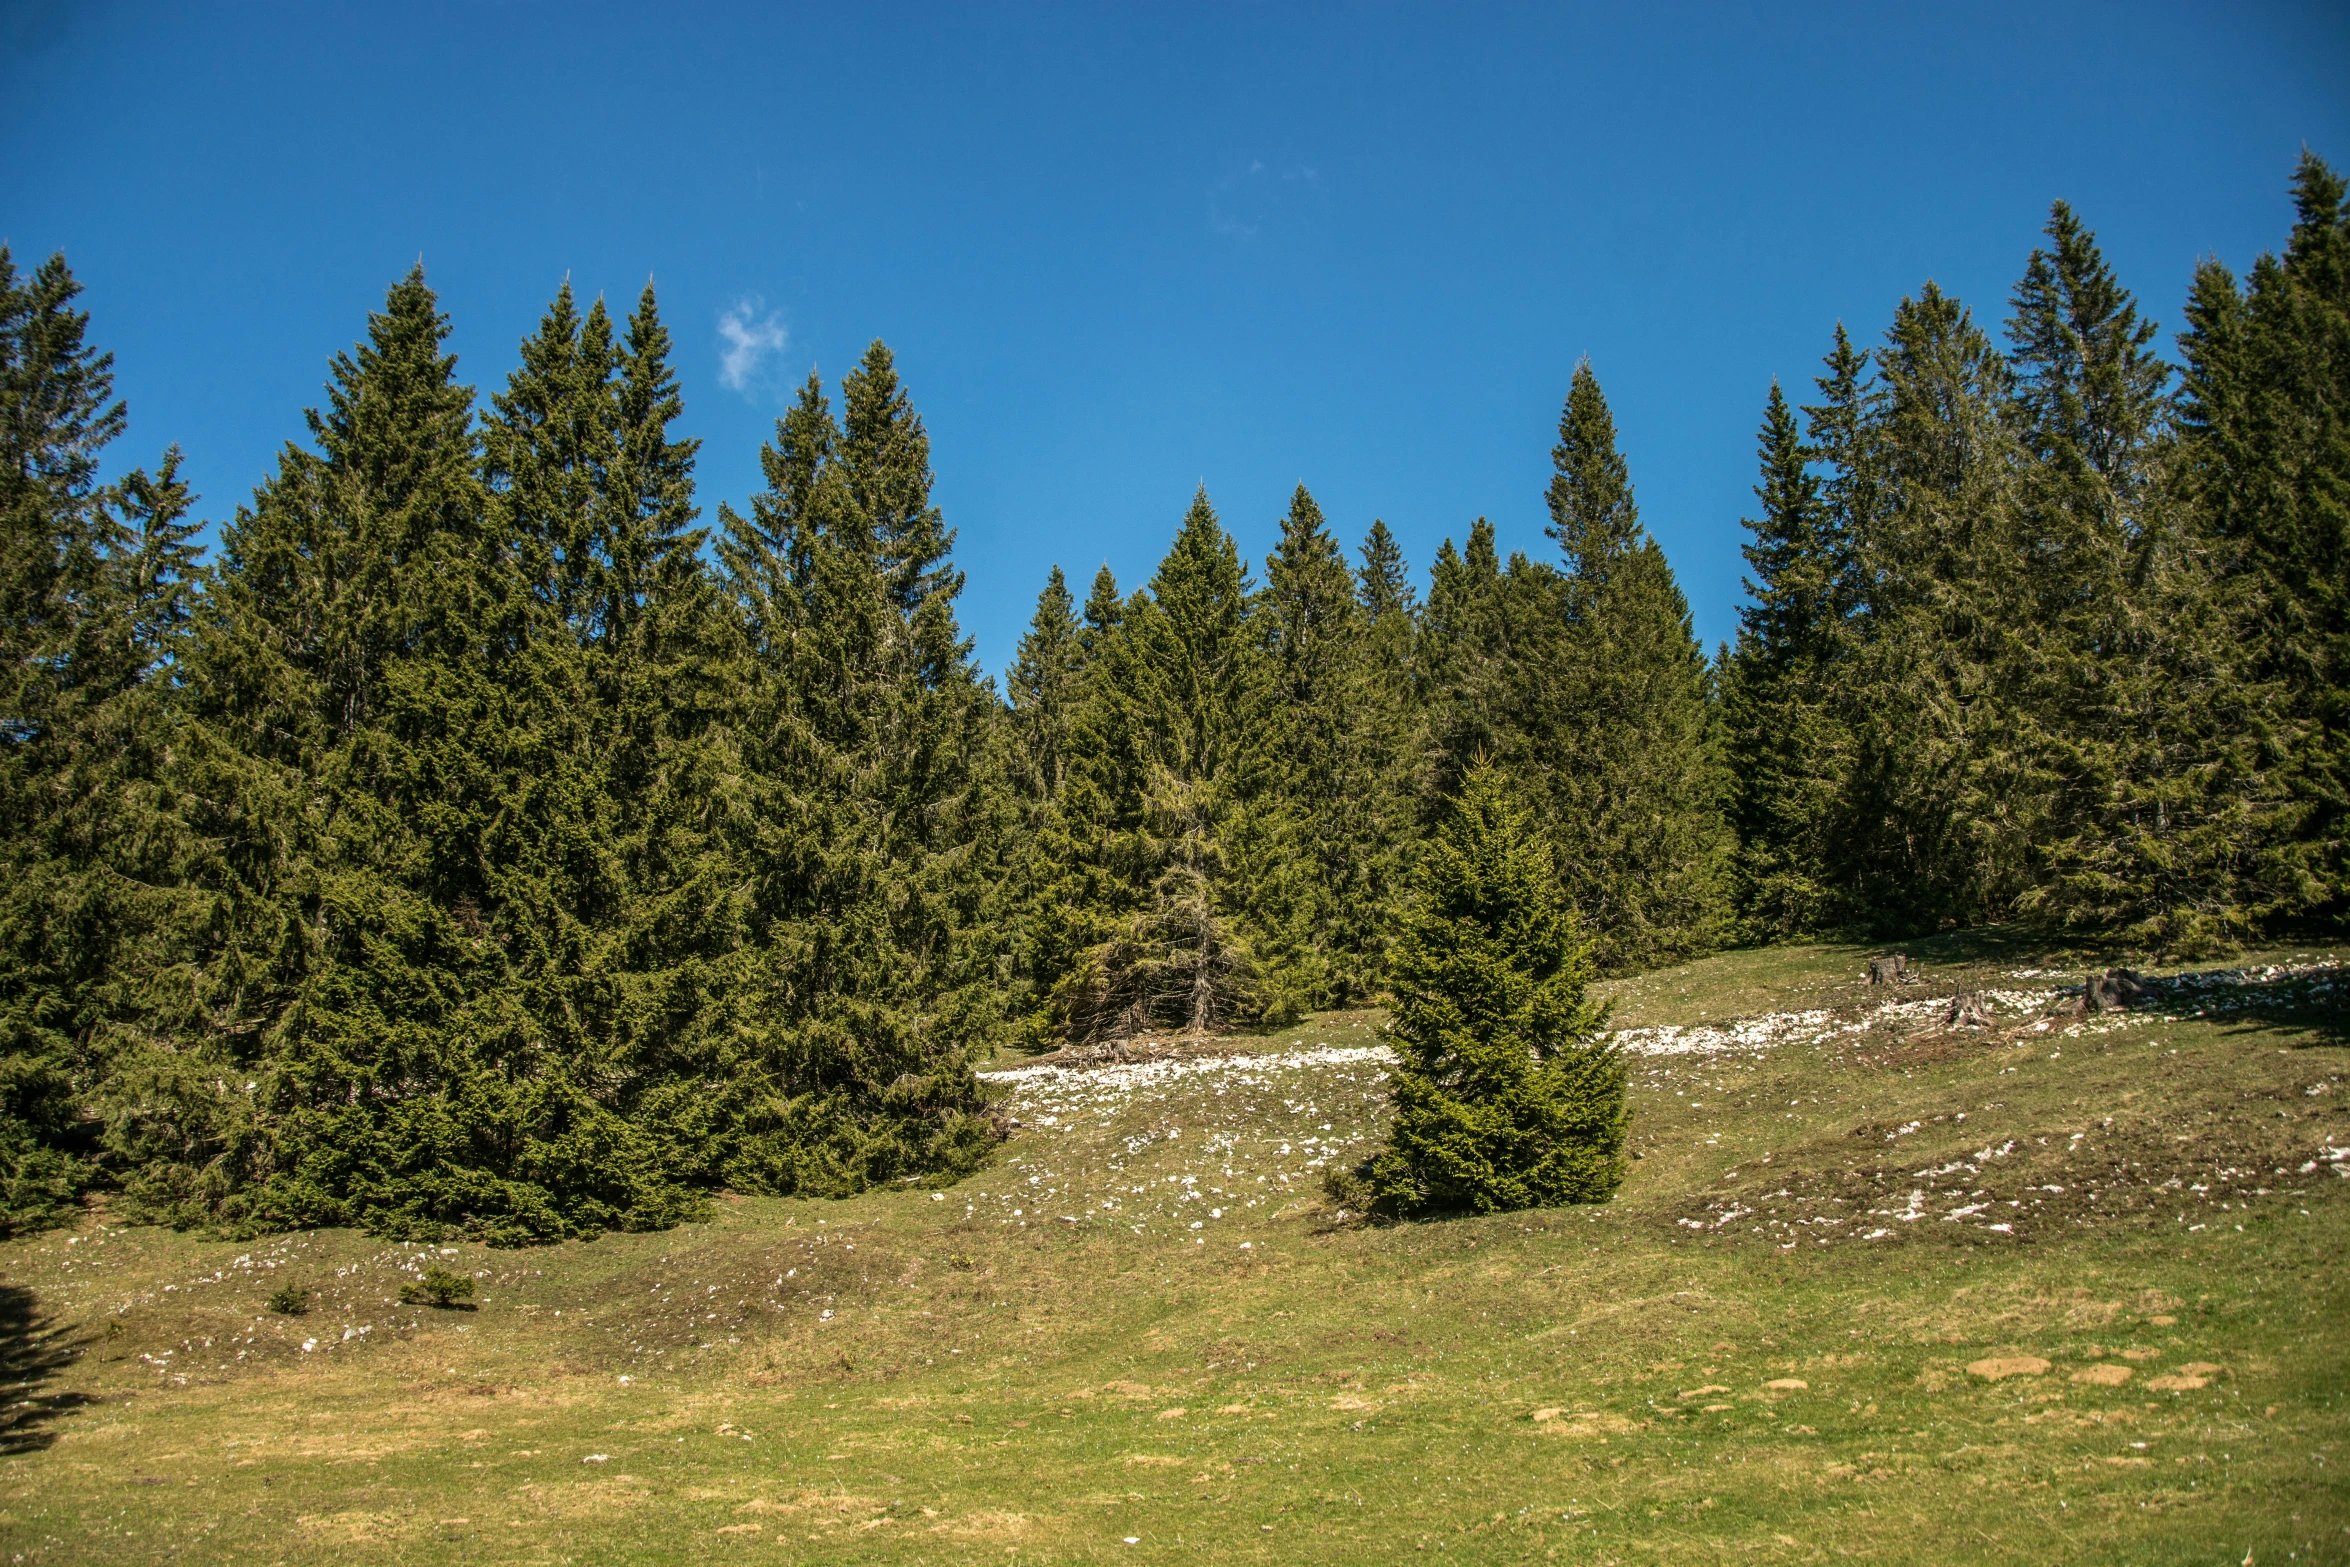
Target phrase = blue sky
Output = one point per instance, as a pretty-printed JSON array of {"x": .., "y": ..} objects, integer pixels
[{"x": 1120, "y": 250}]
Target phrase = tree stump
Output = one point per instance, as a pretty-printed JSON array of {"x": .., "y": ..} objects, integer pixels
[
  {"x": 1967, "y": 1011},
  {"x": 2115, "y": 990},
  {"x": 1888, "y": 970}
]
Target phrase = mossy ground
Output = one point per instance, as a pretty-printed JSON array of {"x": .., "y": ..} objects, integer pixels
[{"x": 1717, "y": 1366}]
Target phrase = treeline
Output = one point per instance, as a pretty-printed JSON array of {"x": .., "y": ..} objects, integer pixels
[
  {"x": 479, "y": 844},
  {"x": 2058, "y": 633},
  {"x": 2041, "y": 631},
  {"x": 467, "y": 850}
]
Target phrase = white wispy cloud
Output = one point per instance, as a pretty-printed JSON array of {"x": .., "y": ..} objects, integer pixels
[
  {"x": 1244, "y": 204},
  {"x": 750, "y": 333}
]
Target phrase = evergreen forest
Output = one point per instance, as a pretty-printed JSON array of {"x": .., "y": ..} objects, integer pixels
[{"x": 487, "y": 838}]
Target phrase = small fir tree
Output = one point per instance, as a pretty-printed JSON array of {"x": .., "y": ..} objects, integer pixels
[{"x": 1507, "y": 1095}]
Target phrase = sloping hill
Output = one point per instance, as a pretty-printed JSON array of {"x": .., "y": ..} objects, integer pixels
[{"x": 2047, "y": 1287}]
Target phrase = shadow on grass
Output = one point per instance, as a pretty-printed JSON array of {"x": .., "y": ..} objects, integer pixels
[
  {"x": 2315, "y": 1006},
  {"x": 1994, "y": 944},
  {"x": 34, "y": 1352}
]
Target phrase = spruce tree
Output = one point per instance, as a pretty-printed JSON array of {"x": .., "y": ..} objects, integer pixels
[
  {"x": 1045, "y": 922},
  {"x": 885, "y": 458},
  {"x": 1388, "y": 724},
  {"x": 1324, "y": 882},
  {"x": 1464, "y": 666},
  {"x": 1838, "y": 439},
  {"x": 1786, "y": 748},
  {"x": 1105, "y": 611},
  {"x": 1169, "y": 746},
  {"x": 2293, "y": 524},
  {"x": 600, "y": 866},
  {"x": 369, "y": 609},
  {"x": 1592, "y": 514},
  {"x": 1079, "y": 858},
  {"x": 1508, "y": 1095},
  {"x": 659, "y": 668},
  {"x": 865, "y": 840},
  {"x": 1042, "y": 688},
  {"x": 98, "y": 926},
  {"x": 2089, "y": 386},
  {"x": 1947, "y": 788},
  {"x": 1384, "y": 587},
  {"x": 1616, "y": 713},
  {"x": 2126, "y": 691}
]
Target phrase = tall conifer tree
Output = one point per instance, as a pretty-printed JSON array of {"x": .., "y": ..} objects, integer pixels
[
  {"x": 1786, "y": 748},
  {"x": 1620, "y": 696},
  {"x": 1337, "y": 754},
  {"x": 1464, "y": 664},
  {"x": 2126, "y": 689},
  {"x": 1046, "y": 922},
  {"x": 1171, "y": 741},
  {"x": 1946, "y": 788},
  {"x": 97, "y": 924},
  {"x": 1042, "y": 688},
  {"x": 865, "y": 748},
  {"x": 2295, "y": 528},
  {"x": 368, "y": 605}
]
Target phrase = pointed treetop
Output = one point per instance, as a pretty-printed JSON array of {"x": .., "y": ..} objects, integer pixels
[
  {"x": 1946, "y": 389},
  {"x": 1385, "y": 584},
  {"x": 1835, "y": 419},
  {"x": 1049, "y": 650},
  {"x": 1193, "y": 634},
  {"x": 1201, "y": 574},
  {"x": 2213, "y": 348},
  {"x": 1303, "y": 520},
  {"x": 1306, "y": 547},
  {"x": 1105, "y": 611},
  {"x": 395, "y": 414},
  {"x": 2321, "y": 204},
  {"x": 660, "y": 468},
  {"x": 2088, "y": 381},
  {"x": 1480, "y": 556},
  {"x": 1792, "y": 572},
  {"x": 1309, "y": 593},
  {"x": 54, "y": 414},
  {"x": 164, "y": 561},
  {"x": 1592, "y": 514},
  {"x": 805, "y": 439},
  {"x": 885, "y": 456}
]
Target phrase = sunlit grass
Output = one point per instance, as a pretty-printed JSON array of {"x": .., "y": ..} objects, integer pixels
[{"x": 1050, "y": 1360}]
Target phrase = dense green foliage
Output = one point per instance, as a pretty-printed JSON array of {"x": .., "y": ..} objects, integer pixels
[
  {"x": 2035, "y": 633},
  {"x": 477, "y": 844},
  {"x": 471, "y": 856},
  {"x": 1507, "y": 1094}
]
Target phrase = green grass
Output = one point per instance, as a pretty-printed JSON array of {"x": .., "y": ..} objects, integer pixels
[{"x": 1580, "y": 1385}]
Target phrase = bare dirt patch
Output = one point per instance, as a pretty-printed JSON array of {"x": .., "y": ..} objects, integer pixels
[
  {"x": 986, "y": 1525},
  {"x": 1997, "y": 1367}
]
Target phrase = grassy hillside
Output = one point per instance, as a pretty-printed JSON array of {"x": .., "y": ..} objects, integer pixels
[{"x": 2054, "y": 1289}]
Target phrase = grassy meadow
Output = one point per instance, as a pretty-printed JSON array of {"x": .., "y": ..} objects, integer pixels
[{"x": 2055, "y": 1289}]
